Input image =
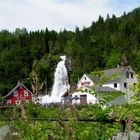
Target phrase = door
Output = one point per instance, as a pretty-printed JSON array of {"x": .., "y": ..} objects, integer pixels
[{"x": 83, "y": 99}]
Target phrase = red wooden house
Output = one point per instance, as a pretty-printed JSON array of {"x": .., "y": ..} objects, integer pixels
[{"x": 18, "y": 93}]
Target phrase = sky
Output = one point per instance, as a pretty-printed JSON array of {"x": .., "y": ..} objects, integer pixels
[{"x": 59, "y": 14}]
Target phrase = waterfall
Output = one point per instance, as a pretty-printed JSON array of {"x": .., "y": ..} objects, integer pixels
[{"x": 61, "y": 84}]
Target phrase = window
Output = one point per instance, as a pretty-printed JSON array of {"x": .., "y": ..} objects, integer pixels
[
  {"x": 125, "y": 85},
  {"x": 85, "y": 78},
  {"x": 17, "y": 102},
  {"x": 132, "y": 75},
  {"x": 115, "y": 85},
  {"x": 8, "y": 101},
  {"x": 83, "y": 99},
  {"x": 15, "y": 93},
  {"x": 25, "y": 93}
]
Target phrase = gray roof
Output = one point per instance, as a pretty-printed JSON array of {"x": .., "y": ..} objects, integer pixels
[
  {"x": 105, "y": 89},
  {"x": 119, "y": 100},
  {"x": 116, "y": 72}
]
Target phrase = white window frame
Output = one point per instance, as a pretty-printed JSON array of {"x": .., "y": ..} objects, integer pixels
[
  {"x": 26, "y": 93},
  {"x": 8, "y": 101},
  {"x": 15, "y": 93},
  {"x": 17, "y": 102}
]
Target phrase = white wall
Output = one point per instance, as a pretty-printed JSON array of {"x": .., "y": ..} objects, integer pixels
[
  {"x": 86, "y": 82},
  {"x": 90, "y": 98},
  {"x": 112, "y": 86}
]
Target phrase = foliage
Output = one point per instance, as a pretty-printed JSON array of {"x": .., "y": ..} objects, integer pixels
[{"x": 107, "y": 121}]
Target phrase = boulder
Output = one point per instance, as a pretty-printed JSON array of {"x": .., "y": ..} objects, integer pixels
[
  {"x": 126, "y": 136},
  {"x": 9, "y": 133}
]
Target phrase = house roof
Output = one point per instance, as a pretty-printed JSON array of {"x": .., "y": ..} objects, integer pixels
[
  {"x": 110, "y": 72},
  {"x": 102, "y": 89},
  {"x": 119, "y": 100},
  {"x": 18, "y": 84},
  {"x": 105, "y": 89}
]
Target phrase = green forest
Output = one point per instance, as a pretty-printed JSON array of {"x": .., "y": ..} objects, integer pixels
[{"x": 105, "y": 44}]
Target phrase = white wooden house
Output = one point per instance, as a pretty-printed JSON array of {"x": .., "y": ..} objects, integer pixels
[
  {"x": 85, "y": 81},
  {"x": 124, "y": 82}
]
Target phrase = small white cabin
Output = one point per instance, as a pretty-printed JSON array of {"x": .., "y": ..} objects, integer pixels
[{"x": 84, "y": 82}]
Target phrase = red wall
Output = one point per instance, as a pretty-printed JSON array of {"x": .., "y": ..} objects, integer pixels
[{"x": 20, "y": 96}]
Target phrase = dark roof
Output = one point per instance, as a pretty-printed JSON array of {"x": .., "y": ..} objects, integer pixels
[
  {"x": 101, "y": 89},
  {"x": 18, "y": 84},
  {"x": 110, "y": 72},
  {"x": 119, "y": 100},
  {"x": 93, "y": 78},
  {"x": 105, "y": 89}
]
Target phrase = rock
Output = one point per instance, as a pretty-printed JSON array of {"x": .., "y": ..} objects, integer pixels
[
  {"x": 9, "y": 133},
  {"x": 126, "y": 136}
]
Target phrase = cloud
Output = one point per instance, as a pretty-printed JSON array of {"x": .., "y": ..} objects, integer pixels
[{"x": 58, "y": 14}]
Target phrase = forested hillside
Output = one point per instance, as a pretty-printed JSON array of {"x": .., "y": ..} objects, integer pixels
[{"x": 106, "y": 43}]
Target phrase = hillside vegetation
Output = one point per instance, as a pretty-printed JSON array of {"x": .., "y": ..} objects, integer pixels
[{"x": 103, "y": 45}]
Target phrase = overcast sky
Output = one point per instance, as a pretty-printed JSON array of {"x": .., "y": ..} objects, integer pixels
[{"x": 59, "y": 14}]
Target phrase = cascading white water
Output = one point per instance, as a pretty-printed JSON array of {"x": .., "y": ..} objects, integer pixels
[{"x": 61, "y": 84}]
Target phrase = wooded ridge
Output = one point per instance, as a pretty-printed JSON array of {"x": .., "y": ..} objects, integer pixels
[{"x": 105, "y": 44}]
